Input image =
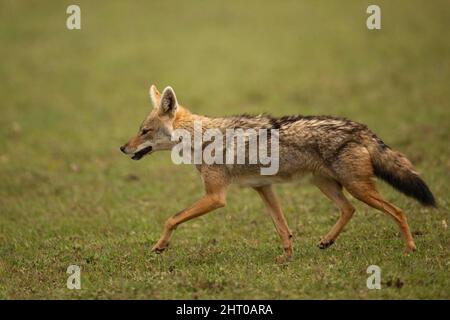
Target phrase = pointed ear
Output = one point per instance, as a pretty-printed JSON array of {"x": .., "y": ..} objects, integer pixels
[
  {"x": 155, "y": 96},
  {"x": 169, "y": 103}
]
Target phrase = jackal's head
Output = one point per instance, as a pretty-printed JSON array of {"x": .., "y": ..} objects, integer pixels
[{"x": 156, "y": 130}]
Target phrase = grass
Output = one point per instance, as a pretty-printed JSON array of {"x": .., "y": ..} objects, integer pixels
[{"x": 71, "y": 98}]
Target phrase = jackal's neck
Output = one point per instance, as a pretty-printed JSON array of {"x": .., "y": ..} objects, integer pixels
[{"x": 184, "y": 119}]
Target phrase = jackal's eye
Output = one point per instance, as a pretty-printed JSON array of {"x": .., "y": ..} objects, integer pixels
[{"x": 144, "y": 131}]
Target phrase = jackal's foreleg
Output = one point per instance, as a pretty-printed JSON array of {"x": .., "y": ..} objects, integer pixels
[
  {"x": 274, "y": 209},
  {"x": 214, "y": 198}
]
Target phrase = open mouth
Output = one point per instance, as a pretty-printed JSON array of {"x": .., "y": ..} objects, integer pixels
[{"x": 141, "y": 153}]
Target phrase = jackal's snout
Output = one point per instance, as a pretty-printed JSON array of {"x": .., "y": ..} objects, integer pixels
[
  {"x": 136, "y": 154},
  {"x": 127, "y": 149}
]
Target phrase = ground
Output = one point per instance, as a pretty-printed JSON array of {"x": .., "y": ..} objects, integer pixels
[{"x": 71, "y": 98}]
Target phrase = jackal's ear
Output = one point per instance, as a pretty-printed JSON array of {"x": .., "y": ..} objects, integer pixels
[
  {"x": 155, "y": 96},
  {"x": 169, "y": 103}
]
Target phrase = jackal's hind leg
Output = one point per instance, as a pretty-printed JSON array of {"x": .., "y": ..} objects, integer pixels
[
  {"x": 274, "y": 209},
  {"x": 365, "y": 191},
  {"x": 333, "y": 190}
]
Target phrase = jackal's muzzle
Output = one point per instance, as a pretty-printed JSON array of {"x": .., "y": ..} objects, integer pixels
[{"x": 137, "y": 155}]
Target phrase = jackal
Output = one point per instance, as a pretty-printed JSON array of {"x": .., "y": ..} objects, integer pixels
[{"x": 339, "y": 153}]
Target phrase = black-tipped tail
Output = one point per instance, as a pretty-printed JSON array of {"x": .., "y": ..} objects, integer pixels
[{"x": 407, "y": 182}]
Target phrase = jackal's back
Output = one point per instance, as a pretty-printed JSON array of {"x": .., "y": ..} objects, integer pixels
[
  {"x": 314, "y": 140},
  {"x": 306, "y": 143}
]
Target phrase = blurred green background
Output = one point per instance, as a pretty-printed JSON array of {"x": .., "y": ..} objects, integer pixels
[{"x": 69, "y": 99}]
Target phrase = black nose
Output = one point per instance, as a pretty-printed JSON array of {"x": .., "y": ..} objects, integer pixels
[{"x": 122, "y": 148}]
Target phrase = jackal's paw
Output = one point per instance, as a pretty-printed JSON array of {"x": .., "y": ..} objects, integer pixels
[
  {"x": 410, "y": 248},
  {"x": 283, "y": 258},
  {"x": 323, "y": 244},
  {"x": 159, "y": 248},
  {"x": 286, "y": 256}
]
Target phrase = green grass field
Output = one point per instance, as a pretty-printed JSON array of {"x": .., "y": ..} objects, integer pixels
[{"x": 69, "y": 99}]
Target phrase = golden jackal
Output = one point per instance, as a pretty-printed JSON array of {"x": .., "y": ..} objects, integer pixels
[{"x": 338, "y": 152}]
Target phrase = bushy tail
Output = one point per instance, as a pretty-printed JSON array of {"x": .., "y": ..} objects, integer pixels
[{"x": 394, "y": 168}]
